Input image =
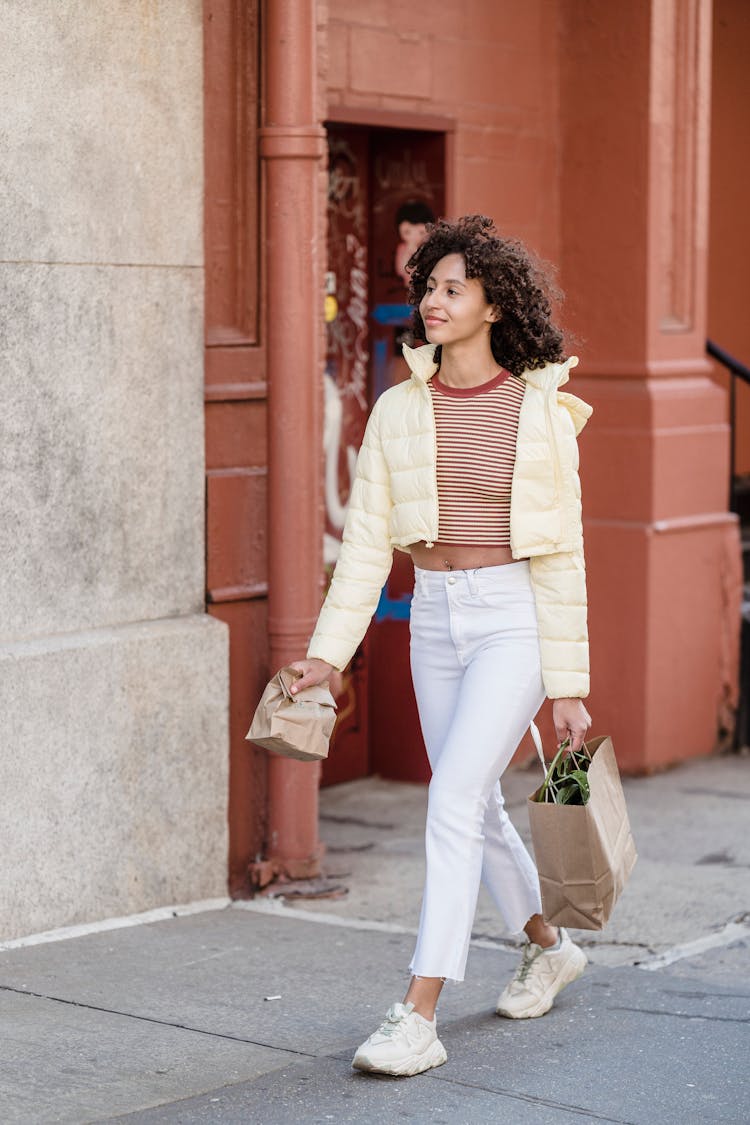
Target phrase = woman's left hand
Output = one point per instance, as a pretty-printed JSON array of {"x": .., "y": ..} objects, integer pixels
[{"x": 571, "y": 720}]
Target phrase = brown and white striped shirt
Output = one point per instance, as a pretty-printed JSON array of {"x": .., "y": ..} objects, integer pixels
[{"x": 477, "y": 429}]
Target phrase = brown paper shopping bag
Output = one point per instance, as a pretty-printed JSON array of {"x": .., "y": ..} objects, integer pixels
[
  {"x": 297, "y": 726},
  {"x": 584, "y": 853}
]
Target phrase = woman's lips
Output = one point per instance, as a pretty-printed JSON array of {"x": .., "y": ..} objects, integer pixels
[{"x": 434, "y": 320}]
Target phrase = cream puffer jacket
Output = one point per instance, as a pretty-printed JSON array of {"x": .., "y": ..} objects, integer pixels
[{"x": 394, "y": 503}]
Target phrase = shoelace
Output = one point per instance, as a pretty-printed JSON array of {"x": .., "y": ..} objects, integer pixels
[
  {"x": 393, "y": 1019},
  {"x": 529, "y": 957}
]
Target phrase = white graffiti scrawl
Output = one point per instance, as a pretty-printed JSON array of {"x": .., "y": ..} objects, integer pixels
[
  {"x": 332, "y": 431},
  {"x": 357, "y": 312},
  {"x": 347, "y": 330}
]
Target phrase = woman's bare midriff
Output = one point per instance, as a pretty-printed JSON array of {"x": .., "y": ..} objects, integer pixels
[{"x": 458, "y": 556}]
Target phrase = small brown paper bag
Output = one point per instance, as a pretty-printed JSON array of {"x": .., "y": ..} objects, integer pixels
[
  {"x": 584, "y": 853},
  {"x": 297, "y": 726}
]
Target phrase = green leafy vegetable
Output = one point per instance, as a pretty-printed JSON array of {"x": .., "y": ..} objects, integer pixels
[{"x": 566, "y": 781}]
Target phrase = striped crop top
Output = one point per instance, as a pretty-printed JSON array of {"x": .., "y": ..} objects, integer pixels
[{"x": 476, "y": 429}]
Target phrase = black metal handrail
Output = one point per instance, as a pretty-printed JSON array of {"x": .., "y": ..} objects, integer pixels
[
  {"x": 732, "y": 364},
  {"x": 737, "y": 370}
]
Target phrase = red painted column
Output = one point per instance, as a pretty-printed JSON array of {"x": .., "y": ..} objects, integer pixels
[
  {"x": 662, "y": 551},
  {"x": 292, "y": 148}
]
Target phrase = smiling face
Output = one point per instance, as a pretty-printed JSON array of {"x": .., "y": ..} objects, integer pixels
[{"x": 454, "y": 308}]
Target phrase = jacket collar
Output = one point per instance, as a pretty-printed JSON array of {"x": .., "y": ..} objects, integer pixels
[
  {"x": 422, "y": 365},
  {"x": 421, "y": 362}
]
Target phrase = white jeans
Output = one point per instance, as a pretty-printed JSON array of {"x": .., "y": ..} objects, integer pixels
[{"x": 476, "y": 667}]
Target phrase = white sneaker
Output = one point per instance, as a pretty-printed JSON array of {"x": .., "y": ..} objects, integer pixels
[
  {"x": 405, "y": 1043},
  {"x": 540, "y": 976}
]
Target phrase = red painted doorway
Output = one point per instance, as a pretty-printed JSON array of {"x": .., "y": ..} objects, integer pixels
[{"x": 384, "y": 184}]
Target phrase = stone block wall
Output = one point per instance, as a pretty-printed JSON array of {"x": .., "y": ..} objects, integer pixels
[{"x": 114, "y": 681}]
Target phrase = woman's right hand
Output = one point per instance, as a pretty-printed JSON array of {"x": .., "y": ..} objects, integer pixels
[{"x": 314, "y": 672}]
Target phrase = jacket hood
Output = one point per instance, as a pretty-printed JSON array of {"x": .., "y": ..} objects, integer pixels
[{"x": 422, "y": 365}]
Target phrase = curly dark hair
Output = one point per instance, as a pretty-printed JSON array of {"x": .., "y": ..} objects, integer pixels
[{"x": 514, "y": 283}]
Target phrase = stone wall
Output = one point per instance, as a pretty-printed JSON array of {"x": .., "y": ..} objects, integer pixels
[{"x": 114, "y": 682}]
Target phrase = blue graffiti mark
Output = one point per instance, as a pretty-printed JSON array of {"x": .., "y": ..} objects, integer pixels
[
  {"x": 393, "y": 609},
  {"x": 391, "y": 314},
  {"x": 395, "y": 315},
  {"x": 379, "y": 368}
]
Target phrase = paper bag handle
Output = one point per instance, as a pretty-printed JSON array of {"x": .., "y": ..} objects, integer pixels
[{"x": 534, "y": 729}]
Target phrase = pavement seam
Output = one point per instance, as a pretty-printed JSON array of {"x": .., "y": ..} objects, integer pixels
[
  {"x": 580, "y": 1111},
  {"x": 157, "y": 1021},
  {"x": 678, "y": 1015}
]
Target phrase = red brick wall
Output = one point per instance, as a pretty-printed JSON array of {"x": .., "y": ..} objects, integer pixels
[{"x": 492, "y": 66}]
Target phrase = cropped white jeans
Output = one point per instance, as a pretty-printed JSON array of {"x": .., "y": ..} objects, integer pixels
[{"x": 476, "y": 666}]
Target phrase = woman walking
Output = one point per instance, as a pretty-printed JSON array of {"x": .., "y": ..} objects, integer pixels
[{"x": 472, "y": 467}]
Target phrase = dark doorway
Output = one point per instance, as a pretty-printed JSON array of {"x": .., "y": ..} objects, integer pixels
[{"x": 383, "y": 186}]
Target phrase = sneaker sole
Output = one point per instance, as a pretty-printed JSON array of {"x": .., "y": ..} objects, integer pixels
[
  {"x": 574, "y": 969},
  {"x": 435, "y": 1055}
]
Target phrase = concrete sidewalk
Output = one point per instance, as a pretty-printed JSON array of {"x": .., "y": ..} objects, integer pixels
[{"x": 250, "y": 1012}]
